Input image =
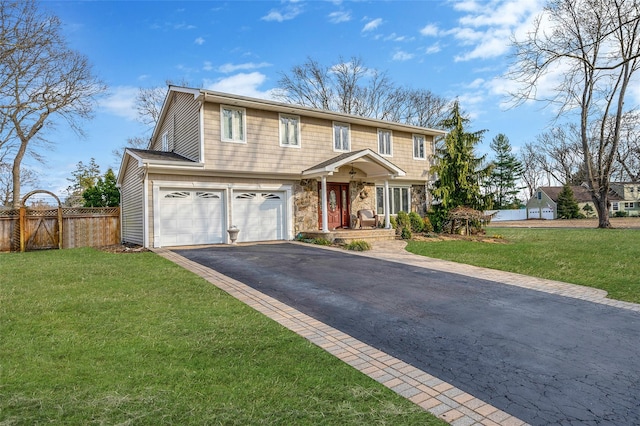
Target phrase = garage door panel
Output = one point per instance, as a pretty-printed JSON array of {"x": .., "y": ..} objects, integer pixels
[
  {"x": 191, "y": 217},
  {"x": 260, "y": 216}
]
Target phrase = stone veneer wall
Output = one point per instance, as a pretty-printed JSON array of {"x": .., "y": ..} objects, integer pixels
[
  {"x": 418, "y": 199},
  {"x": 362, "y": 196},
  {"x": 305, "y": 205}
]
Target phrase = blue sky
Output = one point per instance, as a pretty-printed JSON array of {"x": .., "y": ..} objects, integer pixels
[{"x": 454, "y": 49}]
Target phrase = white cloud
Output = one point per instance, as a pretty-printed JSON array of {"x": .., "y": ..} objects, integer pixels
[
  {"x": 229, "y": 68},
  {"x": 430, "y": 30},
  {"x": 199, "y": 41},
  {"x": 488, "y": 25},
  {"x": 402, "y": 56},
  {"x": 241, "y": 84},
  {"x": 372, "y": 25},
  {"x": 207, "y": 66},
  {"x": 287, "y": 13},
  {"x": 477, "y": 83},
  {"x": 434, "y": 48},
  {"x": 398, "y": 38},
  {"x": 120, "y": 101},
  {"x": 339, "y": 17}
]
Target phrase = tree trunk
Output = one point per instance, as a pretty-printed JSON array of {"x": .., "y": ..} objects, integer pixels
[
  {"x": 601, "y": 202},
  {"x": 15, "y": 173}
]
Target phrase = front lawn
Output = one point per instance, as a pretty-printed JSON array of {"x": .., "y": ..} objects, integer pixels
[
  {"x": 608, "y": 259},
  {"x": 88, "y": 337}
]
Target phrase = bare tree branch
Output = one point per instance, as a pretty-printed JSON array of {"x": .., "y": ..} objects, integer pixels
[{"x": 592, "y": 49}]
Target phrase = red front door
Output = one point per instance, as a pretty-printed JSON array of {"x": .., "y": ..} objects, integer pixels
[{"x": 337, "y": 206}]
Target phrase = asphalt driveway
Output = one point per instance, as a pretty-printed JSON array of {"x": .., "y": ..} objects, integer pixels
[{"x": 543, "y": 358}]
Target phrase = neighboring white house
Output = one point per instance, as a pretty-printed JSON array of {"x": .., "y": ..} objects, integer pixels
[{"x": 544, "y": 203}]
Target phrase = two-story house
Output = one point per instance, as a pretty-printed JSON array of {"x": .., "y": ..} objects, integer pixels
[
  {"x": 629, "y": 202},
  {"x": 272, "y": 170}
]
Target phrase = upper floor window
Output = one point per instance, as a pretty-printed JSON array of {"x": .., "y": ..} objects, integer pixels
[
  {"x": 384, "y": 142},
  {"x": 341, "y": 137},
  {"x": 165, "y": 141},
  {"x": 233, "y": 124},
  {"x": 419, "y": 147},
  {"x": 539, "y": 195},
  {"x": 289, "y": 130}
]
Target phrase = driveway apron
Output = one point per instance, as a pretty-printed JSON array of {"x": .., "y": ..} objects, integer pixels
[{"x": 543, "y": 358}]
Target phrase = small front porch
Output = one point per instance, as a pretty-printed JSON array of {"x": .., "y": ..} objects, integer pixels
[{"x": 347, "y": 235}]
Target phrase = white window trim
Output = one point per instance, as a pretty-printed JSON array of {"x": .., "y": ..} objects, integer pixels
[
  {"x": 390, "y": 195},
  {"x": 390, "y": 154},
  {"x": 244, "y": 124},
  {"x": 333, "y": 136},
  {"x": 424, "y": 146},
  {"x": 164, "y": 141},
  {"x": 298, "y": 130}
]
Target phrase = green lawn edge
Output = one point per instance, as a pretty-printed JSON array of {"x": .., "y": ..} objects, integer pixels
[
  {"x": 600, "y": 258},
  {"x": 90, "y": 337}
]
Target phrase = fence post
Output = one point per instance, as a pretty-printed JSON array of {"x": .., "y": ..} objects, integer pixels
[
  {"x": 23, "y": 225},
  {"x": 60, "y": 236}
]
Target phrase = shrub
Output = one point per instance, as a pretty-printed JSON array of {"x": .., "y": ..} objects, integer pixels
[
  {"x": 402, "y": 218},
  {"x": 317, "y": 241},
  {"x": 394, "y": 223},
  {"x": 406, "y": 233},
  {"x": 426, "y": 224},
  {"x": 358, "y": 245},
  {"x": 621, "y": 214},
  {"x": 417, "y": 224},
  {"x": 437, "y": 216}
]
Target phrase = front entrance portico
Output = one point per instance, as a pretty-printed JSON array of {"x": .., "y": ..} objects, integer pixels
[{"x": 334, "y": 210}]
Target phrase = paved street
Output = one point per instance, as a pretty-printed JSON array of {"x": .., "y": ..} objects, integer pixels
[{"x": 543, "y": 358}]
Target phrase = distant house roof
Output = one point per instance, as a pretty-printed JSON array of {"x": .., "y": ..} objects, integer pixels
[{"x": 580, "y": 193}]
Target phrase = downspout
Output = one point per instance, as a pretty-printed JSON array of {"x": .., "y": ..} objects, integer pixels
[{"x": 145, "y": 206}]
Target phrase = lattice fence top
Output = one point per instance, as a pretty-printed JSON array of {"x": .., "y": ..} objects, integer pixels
[
  {"x": 66, "y": 211},
  {"x": 78, "y": 211}
]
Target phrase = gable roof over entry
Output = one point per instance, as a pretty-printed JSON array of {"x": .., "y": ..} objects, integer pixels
[{"x": 372, "y": 164}]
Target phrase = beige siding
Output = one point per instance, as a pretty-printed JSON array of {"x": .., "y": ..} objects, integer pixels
[
  {"x": 181, "y": 124},
  {"x": 262, "y": 152},
  {"x": 131, "y": 205}
]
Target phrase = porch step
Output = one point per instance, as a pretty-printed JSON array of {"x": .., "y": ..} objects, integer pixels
[{"x": 348, "y": 235}]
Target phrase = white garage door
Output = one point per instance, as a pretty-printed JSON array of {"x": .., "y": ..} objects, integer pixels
[
  {"x": 191, "y": 217},
  {"x": 260, "y": 216},
  {"x": 547, "y": 213},
  {"x": 534, "y": 213}
]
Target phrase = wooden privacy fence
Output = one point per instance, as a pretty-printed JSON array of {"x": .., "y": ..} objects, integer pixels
[{"x": 41, "y": 228}]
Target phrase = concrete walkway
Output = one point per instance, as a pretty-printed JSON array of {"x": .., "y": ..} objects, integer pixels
[{"x": 438, "y": 397}]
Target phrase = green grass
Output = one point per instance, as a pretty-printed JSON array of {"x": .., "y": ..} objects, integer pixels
[
  {"x": 608, "y": 259},
  {"x": 88, "y": 337}
]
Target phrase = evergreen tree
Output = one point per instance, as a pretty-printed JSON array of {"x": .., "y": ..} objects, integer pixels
[
  {"x": 507, "y": 169},
  {"x": 459, "y": 172},
  {"x": 104, "y": 193},
  {"x": 84, "y": 177},
  {"x": 567, "y": 204}
]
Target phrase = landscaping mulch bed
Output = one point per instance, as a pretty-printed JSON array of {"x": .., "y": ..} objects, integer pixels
[{"x": 124, "y": 248}]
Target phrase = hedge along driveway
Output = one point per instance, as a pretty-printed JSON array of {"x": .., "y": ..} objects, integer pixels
[{"x": 540, "y": 357}]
